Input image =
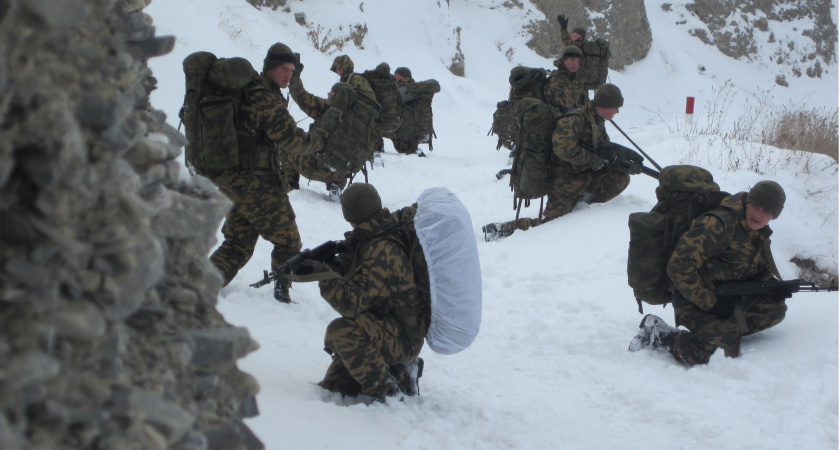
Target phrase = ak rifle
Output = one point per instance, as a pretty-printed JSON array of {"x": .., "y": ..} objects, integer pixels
[
  {"x": 324, "y": 253},
  {"x": 771, "y": 288}
]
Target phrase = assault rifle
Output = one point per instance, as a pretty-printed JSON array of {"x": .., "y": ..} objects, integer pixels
[
  {"x": 324, "y": 253},
  {"x": 625, "y": 163},
  {"x": 771, "y": 288}
]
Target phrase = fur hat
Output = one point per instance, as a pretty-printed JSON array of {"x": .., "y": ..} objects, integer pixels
[
  {"x": 360, "y": 202},
  {"x": 769, "y": 196},
  {"x": 277, "y": 55}
]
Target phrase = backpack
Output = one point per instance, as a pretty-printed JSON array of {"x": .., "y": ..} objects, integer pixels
[
  {"x": 346, "y": 128},
  {"x": 684, "y": 193},
  {"x": 416, "y": 112},
  {"x": 595, "y": 62},
  {"x": 384, "y": 85},
  {"x": 438, "y": 235},
  {"x": 214, "y": 90},
  {"x": 524, "y": 82},
  {"x": 531, "y": 171}
]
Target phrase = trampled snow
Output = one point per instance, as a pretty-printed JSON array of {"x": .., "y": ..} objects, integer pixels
[{"x": 550, "y": 366}]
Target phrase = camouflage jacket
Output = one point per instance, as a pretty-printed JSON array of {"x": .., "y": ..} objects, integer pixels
[
  {"x": 566, "y": 37},
  {"x": 311, "y": 105},
  {"x": 264, "y": 113},
  {"x": 721, "y": 247},
  {"x": 565, "y": 90},
  {"x": 378, "y": 277},
  {"x": 583, "y": 125}
]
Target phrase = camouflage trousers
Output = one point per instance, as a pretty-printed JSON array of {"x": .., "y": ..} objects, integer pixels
[
  {"x": 708, "y": 332},
  {"x": 363, "y": 348},
  {"x": 261, "y": 208},
  {"x": 568, "y": 188},
  {"x": 313, "y": 170},
  {"x": 406, "y": 147}
]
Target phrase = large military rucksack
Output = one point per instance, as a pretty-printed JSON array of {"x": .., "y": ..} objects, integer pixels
[
  {"x": 684, "y": 193},
  {"x": 595, "y": 63},
  {"x": 438, "y": 236},
  {"x": 524, "y": 82},
  {"x": 214, "y": 91},
  {"x": 531, "y": 171},
  {"x": 346, "y": 128},
  {"x": 416, "y": 112},
  {"x": 384, "y": 85}
]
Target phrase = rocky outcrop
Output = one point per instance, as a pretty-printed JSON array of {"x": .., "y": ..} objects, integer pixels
[
  {"x": 110, "y": 336},
  {"x": 623, "y": 24}
]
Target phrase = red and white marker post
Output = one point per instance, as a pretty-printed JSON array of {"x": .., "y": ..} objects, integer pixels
[{"x": 689, "y": 110}]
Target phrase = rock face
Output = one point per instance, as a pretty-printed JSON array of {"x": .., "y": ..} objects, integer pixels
[{"x": 110, "y": 337}]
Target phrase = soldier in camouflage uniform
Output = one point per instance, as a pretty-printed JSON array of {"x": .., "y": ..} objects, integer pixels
[
  {"x": 576, "y": 37},
  {"x": 343, "y": 66},
  {"x": 565, "y": 89},
  {"x": 728, "y": 244},
  {"x": 376, "y": 342},
  {"x": 314, "y": 107},
  {"x": 406, "y": 147},
  {"x": 261, "y": 207},
  {"x": 577, "y": 173}
]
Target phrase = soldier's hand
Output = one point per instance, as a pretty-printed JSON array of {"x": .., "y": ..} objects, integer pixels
[
  {"x": 563, "y": 21},
  {"x": 596, "y": 163},
  {"x": 311, "y": 270},
  {"x": 298, "y": 65},
  {"x": 633, "y": 167},
  {"x": 779, "y": 294},
  {"x": 723, "y": 309}
]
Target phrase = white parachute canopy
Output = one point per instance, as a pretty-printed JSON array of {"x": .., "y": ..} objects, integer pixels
[{"x": 444, "y": 229}]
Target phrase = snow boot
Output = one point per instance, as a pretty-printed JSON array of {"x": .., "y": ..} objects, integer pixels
[
  {"x": 502, "y": 173},
  {"x": 393, "y": 392},
  {"x": 408, "y": 376},
  {"x": 281, "y": 292},
  {"x": 496, "y": 231},
  {"x": 335, "y": 192},
  {"x": 654, "y": 333},
  {"x": 420, "y": 153}
]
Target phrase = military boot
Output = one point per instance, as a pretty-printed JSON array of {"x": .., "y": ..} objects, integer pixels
[
  {"x": 392, "y": 392},
  {"x": 496, "y": 231},
  {"x": 281, "y": 290},
  {"x": 335, "y": 192},
  {"x": 408, "y": 376},
  {"x": 503, "y": 173},
  {"x": 654, "y": 333}
]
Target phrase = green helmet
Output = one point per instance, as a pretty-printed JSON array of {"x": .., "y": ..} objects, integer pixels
[{"x": 608, "y": 96}]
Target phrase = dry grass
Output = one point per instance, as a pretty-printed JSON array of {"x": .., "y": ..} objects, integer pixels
[{"x": 809, "y": 130}]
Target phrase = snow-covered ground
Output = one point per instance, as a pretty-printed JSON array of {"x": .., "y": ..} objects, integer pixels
[{"x": 550, "y": 367}]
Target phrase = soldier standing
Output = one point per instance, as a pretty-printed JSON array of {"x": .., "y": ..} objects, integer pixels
[
  {"x": 376, "y": 342},
  {"x": 261, "y": 206},
  {"x": 565, "y": 89},
  {"x": 408, "y": 147},
  {"x": 577, "y": 173},
  {"x": 729, "y": 243},
  {"x": 576, "y": 37}
]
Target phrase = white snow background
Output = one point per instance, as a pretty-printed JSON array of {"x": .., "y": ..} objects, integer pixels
[{"x": 550, "y": 367}]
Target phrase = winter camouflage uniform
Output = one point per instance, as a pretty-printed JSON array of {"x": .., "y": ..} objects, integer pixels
[
  {"x": 408, "y": 147},
  {"x": 261, "y": 206},
  {"x": 719, "y": 247},
  {"x": 314, "y": 107},
  {"x": 572, "y": 178},
  {"x": 383, "y": 321},
  {"x": 565, "y": 90}
]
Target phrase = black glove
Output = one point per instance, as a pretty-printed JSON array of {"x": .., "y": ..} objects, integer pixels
[
  {"x": 563, "y": 21},
  {"x": 596, "y": 163},
  {"x": 298, "y": 65},
  {"x": 723, "y": 309},
  {"x": 633, "y": 167}
]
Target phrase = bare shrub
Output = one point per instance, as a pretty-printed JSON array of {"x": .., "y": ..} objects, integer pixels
[{"x": 809, "y": 130}]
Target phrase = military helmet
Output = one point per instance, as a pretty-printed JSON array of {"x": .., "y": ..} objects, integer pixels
[
  {"x": 571, "y": 51},
  {"x": 277, "y": 55},
  {"x": 769, "y": 195},
  {"x": 359, "y": 202},
  {"x": 608, "y": 96}
]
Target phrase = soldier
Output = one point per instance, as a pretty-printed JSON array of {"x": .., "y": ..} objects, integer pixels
[
  {"x": 261, "y": 207},
  {"x": 576, "y": 172},
  {"x": 314, "y": 107},
  {"x": 376, "y": 342},
  {"x": 343, "y": 66},
  {"x": 408, "y": 147},
  {"x": 565, "y": 89},
  {"x": 729, "y": 243},
  {"x": 576, "y": 37}
]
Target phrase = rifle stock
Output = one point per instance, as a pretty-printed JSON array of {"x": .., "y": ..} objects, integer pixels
[
  {"x": 323, "y": 253},
  {"x": 770, "y": 287}
]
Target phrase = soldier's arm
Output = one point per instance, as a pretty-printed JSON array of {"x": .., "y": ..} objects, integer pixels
[
  {"x": 565, "y": 145},
  {"x": 369, "y": 285},
  {"x": 693, "y": 250},
  {"x": 274, "y": 119},
  {"x": 311, "y": 105},
  {"x": 566, "y": 37}
]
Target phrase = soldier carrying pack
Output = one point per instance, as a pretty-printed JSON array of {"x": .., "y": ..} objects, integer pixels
[
  {"x": 416, "y": 112},
  {"x": 595, "y": 63},
  {"x": 384, "y": 85}
]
